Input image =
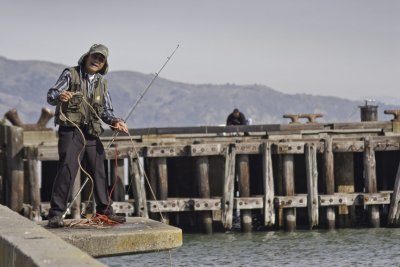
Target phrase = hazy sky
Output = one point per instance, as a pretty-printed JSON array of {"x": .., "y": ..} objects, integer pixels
[{"x": 346, "y": 48}]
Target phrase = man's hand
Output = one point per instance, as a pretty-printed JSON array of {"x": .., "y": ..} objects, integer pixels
[
  {"x": 65, "y": 96},
  {"x": 120, "y": 126}
]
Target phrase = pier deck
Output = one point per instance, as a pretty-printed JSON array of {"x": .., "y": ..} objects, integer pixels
[{"x": 315, "y": 175}]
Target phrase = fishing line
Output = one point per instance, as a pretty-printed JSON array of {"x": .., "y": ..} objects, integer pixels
[
  {"x": 142, "y": 94},
  {"x": 136, "y": 154},
  {"x": 79, "y": 164},
  {"x": 112, "y": 140},
  {"x": 141, "y": 168}
]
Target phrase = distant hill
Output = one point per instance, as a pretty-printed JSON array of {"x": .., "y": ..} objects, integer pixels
[{"x": 24, "y": 84}]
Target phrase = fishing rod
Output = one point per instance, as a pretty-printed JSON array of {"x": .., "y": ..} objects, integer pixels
[
  {"x": 142, "y": 95},
  {"x": 125, "y": 119}
]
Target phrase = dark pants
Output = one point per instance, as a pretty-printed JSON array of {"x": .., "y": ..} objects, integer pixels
[{"x": 70, "y": 144}]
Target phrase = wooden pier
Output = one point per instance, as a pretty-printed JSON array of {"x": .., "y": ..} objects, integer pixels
[{"x": 280, "y": 176}]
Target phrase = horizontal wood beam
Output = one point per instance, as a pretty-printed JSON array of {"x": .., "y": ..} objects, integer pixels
[
  {"x": 248, "y": 147},
  {"x": 165, "y": 151},
  {"x": 205, "y": 149},
  {"x": 126, "y": 207},
  {"x": 206, "y": 204},
  {"x": 247, "y": 203},
  {"x": 214, "y": 204},
  {"x": 297, "y": 201},
  {"x": 288, "y": 148},
  {"x": 48, "y": 152}
]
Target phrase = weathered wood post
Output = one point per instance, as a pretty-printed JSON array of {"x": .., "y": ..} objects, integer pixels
[
  {"x": 279, "y": 190},
  {"x": 328, "y": 176},
  {"x": 394, "y": 211},
  {"x": 162, "y": 176},
  {"x": 32, "y": 176},
  {"x": 370, "y": 180},
  {"x": 153, "y": 184},
  {"x": 268, "y": 181},
  {"x": 15, "y": 168},
  {"x": 344, "y": 179},
  {"x": 13, "y": 117},
  {"x": 312, "y": 184},
  {"x": 243, "y": 173},
  {"x": 3, "y": 160},
  {"x": 202, "y": 177},
  {"x": 152, "y": 171},
  {"x": 229, "y": 176},
  {"x": 45, "y": 115},
  {"x": 139, "y": 191},
  {"x": 396, "y": 119},
  {"x": 289, "y": 214},
  {"x": 117, "y": 177}
]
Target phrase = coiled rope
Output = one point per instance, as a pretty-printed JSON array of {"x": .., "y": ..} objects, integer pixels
[{"x": 100, "y": 220}]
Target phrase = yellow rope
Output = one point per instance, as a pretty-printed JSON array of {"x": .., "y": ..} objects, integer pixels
[
  {"x": 136, "y": 153},
  {"x": 79, "y": 154}
]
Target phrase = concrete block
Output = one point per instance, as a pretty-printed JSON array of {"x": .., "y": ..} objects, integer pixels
[{"x": 23, "y": 243}]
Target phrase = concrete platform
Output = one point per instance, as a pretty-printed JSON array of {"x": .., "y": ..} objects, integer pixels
[
  {"x": 24, "y": 243},
  {"x": 135, "y": 236}
]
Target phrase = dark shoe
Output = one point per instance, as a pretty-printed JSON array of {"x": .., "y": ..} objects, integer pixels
[
  {"x": 116, "y": 218},
  {"x": 56, "y": 222}
]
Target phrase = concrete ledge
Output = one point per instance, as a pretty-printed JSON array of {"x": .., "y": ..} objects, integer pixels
[
  {"x": 23, "y": 243},
  {"x": 135, "y": 236}
]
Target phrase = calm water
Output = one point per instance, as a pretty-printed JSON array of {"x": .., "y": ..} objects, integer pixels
[{"x": 347, "y": 247}]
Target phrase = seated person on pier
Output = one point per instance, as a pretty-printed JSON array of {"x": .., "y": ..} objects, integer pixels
[
  {"x": 236, "y": 118},
  {"x": 81, "y": 99}
]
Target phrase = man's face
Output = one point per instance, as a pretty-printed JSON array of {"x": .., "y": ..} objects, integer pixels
[
  {"x": 94, "y": 63},
  {"x": 236, "y": 114}
]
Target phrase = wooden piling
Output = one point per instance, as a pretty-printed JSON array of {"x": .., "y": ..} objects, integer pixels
[
  {"x": 394, "y": 211},
  {"x": 227, "y": 198},
  {"x": 152, "y": 191},
  {"x": 45, "y": 115},
  {"x": 370, "y": 180},
  {"x": 138, "y": 186},
  {"x": 312, "y": 184},
  {"x": 289, "y": 214},
  {"x": 268, "y": 181},
  {"x": 162, "y": 181},
  {"x": 279, "y": 189},
  {"x": 15, "y": 168},
  {"x": 328, "y": 176},
  {"x": 3, "y": 160},
  {"x": 152, "y": 173},
  {"x": 32, "y": 176},
  {"x": 2, "y": 201},
  {"x": 344, "y": 179},
  {"x": 243, "y": 173},
  {"x": 13, "y": 117},
  {"x": 202, "y": 177},
  {"x": 117, "y": 177}
]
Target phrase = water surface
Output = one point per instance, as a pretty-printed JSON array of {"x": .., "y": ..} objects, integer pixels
[{"x": 346, "y": 247}]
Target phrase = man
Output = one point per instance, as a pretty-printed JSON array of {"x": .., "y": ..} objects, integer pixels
[
  {"x": 236, "y": 118},
  {"x": 81, "y": 98}
]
